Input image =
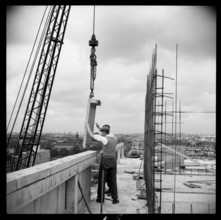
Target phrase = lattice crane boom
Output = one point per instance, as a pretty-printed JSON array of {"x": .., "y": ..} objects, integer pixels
[{"x": 31, "y": 129}]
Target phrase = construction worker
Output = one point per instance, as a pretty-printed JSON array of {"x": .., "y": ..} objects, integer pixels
[
  {"x": 108, "y": 191},
  {"x": 108, "y": 162}
]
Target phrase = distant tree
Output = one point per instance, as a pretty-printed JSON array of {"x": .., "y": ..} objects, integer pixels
[
  {"x": 64, "y": 152},
  {"x": 54, "y": 153},
  {"x": 75, "y": 150},
  {"x": 83, "y": 149},
  {"x": 96, "y": 145},
  {"x": 47, "y": 145},
  {"x": 127, "y": 149}
]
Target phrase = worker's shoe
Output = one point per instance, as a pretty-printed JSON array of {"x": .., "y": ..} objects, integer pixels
[
  {"x": 99, "y": 200},
  {"x": 115, "y": 201}
]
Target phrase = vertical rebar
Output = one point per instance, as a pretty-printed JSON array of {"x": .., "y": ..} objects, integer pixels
[
  {"x": 165, "y": 135},
  {"x": 173, "y": 208},
  {"x": 102, "y": 191},
  {"x": 172, "y": 141},
  {"x": 180, "y": 121},
  {"x": 161, "y": 137},
  {"x": 157, "y": 128},
  {"x": 175, "y": 126},
  {"x": 154, "y": 130},
  {"x": 151, "y": 134}
]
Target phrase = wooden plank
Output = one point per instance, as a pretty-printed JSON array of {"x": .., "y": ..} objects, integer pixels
[
  {"x": 70, "y": 191},
  {"x": 80, "y": 197},
  {"x": 84, "y": 198},
  {"x": 191, "y": 185},
  {"x": 29, "y": 209},
  {"x": 61, "y": 198},
  {"x": 37, "y": 203},
  {"x": 76, "y": 194},
  {"x": 87, "y": 184},
  {"x": 48, "y": 202}
]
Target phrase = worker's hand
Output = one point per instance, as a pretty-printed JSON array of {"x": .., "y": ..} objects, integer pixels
[{"x": 97, "y": 125}]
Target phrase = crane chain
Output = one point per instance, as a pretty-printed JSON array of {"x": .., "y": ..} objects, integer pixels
[{"x": 93, "y": 63}]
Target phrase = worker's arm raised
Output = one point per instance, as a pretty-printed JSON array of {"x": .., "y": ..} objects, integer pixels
[
  {"x": 96, "y": 136},
  {"x": 89, "y": 130}
]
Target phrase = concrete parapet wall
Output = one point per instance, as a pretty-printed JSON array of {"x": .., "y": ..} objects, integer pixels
[
  {"x": 120, "y": 152},
  {"x": 51, "y": 187}
]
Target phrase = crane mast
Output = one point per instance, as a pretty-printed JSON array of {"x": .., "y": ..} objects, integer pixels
[{"x": 32, "y": 125}]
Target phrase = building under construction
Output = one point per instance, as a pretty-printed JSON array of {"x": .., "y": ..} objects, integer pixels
[{"x": 64, "y": 186}]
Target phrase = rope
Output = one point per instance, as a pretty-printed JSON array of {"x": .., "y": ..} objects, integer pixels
[
  {"x": 41, "y": 39},
  {"x": 25, "y": 70}
]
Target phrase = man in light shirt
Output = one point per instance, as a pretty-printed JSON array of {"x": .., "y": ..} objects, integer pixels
[{"x": 108, "y": 161}]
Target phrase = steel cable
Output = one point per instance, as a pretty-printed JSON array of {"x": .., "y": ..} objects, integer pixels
[{"x": 38, "y": 48}]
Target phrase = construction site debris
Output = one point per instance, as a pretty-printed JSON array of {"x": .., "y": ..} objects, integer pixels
[
  {"x": 142, "y": 194},
  {"x": 162, "y": 189},
  {"x": 138, "y": 211},
  {"x": 135, "y": 177},
  {"x": 191, "y": 185},
  {"x": 208, "y": 182},
  {"x": 140, "y": 184},
  {"x": 141, "y": 176},
  {"x": 129, "y": 171},
  {"x": 134, "y": 154}
]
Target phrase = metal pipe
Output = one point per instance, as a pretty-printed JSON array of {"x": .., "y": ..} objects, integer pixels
[{"x": 102, "y": 190}]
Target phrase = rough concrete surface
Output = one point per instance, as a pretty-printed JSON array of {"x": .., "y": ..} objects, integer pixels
[
  {"x": 127, "y": 192},
  {"x": 187, "y": 200},
  {"x": 202, "y": 200}
]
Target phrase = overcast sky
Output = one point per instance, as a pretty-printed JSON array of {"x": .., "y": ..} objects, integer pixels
[{"x": 127, "y": 36}]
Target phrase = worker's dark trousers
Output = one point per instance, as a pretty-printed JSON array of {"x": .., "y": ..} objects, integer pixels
[{"x": 109, "y": 166}]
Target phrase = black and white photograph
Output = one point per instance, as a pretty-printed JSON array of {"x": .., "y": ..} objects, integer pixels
[{"x": 111, "y": 109}]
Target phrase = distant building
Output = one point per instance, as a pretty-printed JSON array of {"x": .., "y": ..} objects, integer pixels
[
  {"x": 168, "y": 156},
  {"x": 59, "y": 147},
  {"x": 42, "y": 156},
  {"x": 209, "y": 138},
  {"x": 137, "y": 143}
]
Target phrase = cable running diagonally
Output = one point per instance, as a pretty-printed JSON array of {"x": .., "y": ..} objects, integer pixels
[
  {"x": 36, "y": 109},
  {"x": 30, "y": 73}
]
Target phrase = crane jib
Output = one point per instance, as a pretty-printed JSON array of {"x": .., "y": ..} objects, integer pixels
[{"x": 32, "y": 125}]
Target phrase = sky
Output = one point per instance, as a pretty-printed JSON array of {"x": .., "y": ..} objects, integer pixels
[{"x": 126, "y": 38}]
